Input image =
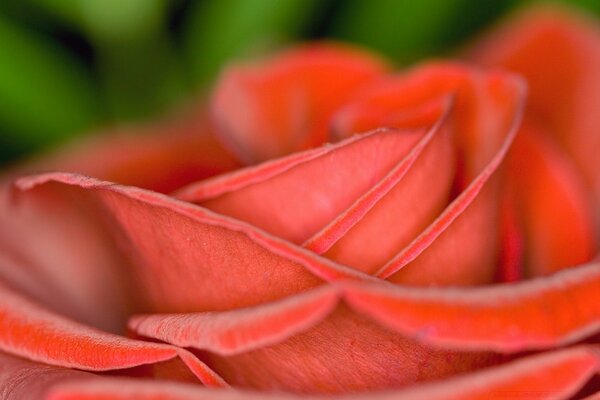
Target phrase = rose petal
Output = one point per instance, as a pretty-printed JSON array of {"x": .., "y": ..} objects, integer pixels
[
  {"x": 312, "y": 189},
  {"x": 84, "y": 282},
  {"x": 37, "y": 334},
  {"x": 536, "y": 314},
  {"x": 487, "y": 113},
  {"x": 283, "y": 106},
  {"x": 555, "y": 375},
  {"x": 558, "y": 52},
  {"x": 277, "y": 197},
  {"x": 21, "y": 379},
  {"x": 346, "y": 352},
  {"x": 237, "y": 331},
  {"x": 553, "y": 204},
  {"x": 205, "y": 261},
  {"x": 162, "y": 157},
  {"x": 387, "y": 217}
]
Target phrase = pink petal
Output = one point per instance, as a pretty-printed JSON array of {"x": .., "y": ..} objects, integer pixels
[
  {"x": 32, "y": 332},
  {"x": 204, "y": 261},
  {"x": 541, "y": 313},
  {"x": 237, "y": 331},
  {"x": 306, "y": 85}
]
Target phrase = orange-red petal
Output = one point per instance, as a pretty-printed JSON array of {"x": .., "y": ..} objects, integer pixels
[
  {"x": 284, "y": 105},
  {"x": 536, "y": 314}
]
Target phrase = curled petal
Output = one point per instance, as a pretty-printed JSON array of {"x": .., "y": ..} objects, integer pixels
[
  {"x": 537, "y": 314},
  {"x": 550, "y": 376},
  {"x": 232, "y": 332},
  {"x": 321, "y": 194},
  {"x": 34, "y": 333},
  {"x": 485, "y": 118}
]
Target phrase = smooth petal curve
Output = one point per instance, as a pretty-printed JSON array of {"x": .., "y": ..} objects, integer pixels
[
  {"x": 555, "y": 375},
  {"x": 214, "y": 263},
  {"x": 237, "y": 331},
  {"x": 305, "y": 86},
  {"x": 30, "y": 331},
  {"x": 536, "y": 314}
]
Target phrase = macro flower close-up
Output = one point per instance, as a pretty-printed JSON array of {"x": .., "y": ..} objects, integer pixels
[{"x": 323, "y": 223}]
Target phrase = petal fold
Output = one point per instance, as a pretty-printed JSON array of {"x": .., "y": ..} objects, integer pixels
[
  {"x": 205, "y": 261},
  {"x": 32, "y": 332},
  {"x": 232, "y": 332},
  {"x": 532, "y": 315}
]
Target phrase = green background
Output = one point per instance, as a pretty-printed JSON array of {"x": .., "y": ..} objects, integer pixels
[{"x": 70, "y": 66}]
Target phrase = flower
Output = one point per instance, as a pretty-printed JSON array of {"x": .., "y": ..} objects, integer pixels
[{"x": 322, "y": 268}]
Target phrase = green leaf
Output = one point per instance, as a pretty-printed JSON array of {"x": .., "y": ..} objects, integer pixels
[
  {"x": 45, "y": 94},
  {"x": 218, "y": 30},
  {"x": 408, "y": 29}
]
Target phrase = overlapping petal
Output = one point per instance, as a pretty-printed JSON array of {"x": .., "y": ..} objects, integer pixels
[
  {"x": 205, "y": 261},
  {"x": 303, "y": 344},
  {"x": 30, "y": 331},
  {"x": 555, "y": 375},
  {"x": 486, "y": 117}
]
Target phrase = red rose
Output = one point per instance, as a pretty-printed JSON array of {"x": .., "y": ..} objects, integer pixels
[{"x": 327, "y": 268}]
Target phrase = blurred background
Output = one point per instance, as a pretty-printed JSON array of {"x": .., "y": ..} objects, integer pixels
[{"x": 68, "y": 67}]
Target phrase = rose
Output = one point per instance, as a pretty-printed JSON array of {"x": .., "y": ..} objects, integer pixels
[{"x": 261, "y": 298}]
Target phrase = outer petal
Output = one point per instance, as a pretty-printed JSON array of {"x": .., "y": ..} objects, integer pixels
[
  {"x": 285, "y": 105},
  {"x": 162, "y": 157},
  {"x": 204, "y": 261},
  {"x": 556, "y": 375},
  {"x": 30, "y": 331},
  {"x": 271, "y": 347},
  {"x": 558, "y": 52},
  {"x": 536, "y": 314}
]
